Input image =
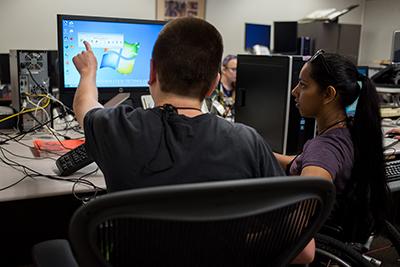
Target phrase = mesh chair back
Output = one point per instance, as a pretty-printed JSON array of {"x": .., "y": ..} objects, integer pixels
[{"x": 255, "y": 222}]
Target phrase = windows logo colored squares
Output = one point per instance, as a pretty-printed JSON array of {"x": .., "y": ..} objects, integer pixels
[{"x": 122, "y": 60}]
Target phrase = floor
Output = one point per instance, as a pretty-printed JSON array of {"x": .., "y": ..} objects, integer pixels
[{"x": 381, "y": 249}]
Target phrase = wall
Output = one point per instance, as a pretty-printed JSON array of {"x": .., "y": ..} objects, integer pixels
[
  {"x": 32, "y": 24},
  {"x": 28, "y": 24},
  {"x": 230, "y": 15},
  {"x": 381, "y": 18}
]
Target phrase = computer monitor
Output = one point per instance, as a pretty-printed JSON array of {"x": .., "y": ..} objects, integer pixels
[
  {"x": 123, "y": 49},
  {"x": 4, "y": 68},
  {"x": 364, "y": 70},
  {"x": 396, "y": 47},
  {"x": 285, "y": 37},
  {"x": 351, "y": 109},
  {"x": 257, "y": 34}
]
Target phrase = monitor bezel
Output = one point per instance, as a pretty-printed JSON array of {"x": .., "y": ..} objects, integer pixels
[{"x": 105, "y": 90}]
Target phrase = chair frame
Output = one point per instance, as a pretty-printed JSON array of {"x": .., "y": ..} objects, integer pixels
[{"x": 202, "y": 202}]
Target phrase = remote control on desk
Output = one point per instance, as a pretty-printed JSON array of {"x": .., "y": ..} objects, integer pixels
[{"x": 73, "y": 161}]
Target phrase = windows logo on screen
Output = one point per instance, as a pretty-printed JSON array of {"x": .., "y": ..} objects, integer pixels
[{"x": 122, "y": 60}]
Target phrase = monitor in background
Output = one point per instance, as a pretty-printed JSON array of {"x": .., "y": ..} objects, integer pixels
[
  {"x": 351, "y": 109},
  {"x": 122, "y": 47},
  {"x": 285, "y": 37},
  {"x": 396, "y": 47},
  {"x": 5, "y": 81},
  {"x": 257, "y": 34},
  {"x": 364, "y": 70},
  {"x": 4, "y": 68}
]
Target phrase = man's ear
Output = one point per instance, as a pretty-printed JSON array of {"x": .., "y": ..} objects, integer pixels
[
  {"x": 153, "y": 73},
  {"x": 214, "y": 85},
  {"x": 330, "y": 94}
]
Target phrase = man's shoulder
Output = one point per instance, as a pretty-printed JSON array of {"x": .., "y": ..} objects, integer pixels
[
  {"x": 246, "y": 131},
  {"x": 122, "y": 111},
  {"x": 239, "y": 132}
]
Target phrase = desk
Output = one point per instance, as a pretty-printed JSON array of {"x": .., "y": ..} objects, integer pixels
[
  {"x": 36, "y": 209},
  {"x": 40, "y": 186}
]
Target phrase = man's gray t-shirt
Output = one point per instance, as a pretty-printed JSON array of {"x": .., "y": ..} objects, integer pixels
[
  {"x": 139, "y": 148},
  {"x": 332, "y": 151}
]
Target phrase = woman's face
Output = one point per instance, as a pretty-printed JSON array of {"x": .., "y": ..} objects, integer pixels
[
  {"x": 308, "y": 95},
  {"x": 229, "y": 71}
]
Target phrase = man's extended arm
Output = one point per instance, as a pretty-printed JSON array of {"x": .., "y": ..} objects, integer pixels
[{"x": 86, "y": 96}]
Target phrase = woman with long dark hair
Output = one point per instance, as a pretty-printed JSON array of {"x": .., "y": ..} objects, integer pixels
[{"x": 346, "y": 150}]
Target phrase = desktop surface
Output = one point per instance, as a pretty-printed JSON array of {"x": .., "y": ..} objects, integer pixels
[{"x": 37, "y": 186}]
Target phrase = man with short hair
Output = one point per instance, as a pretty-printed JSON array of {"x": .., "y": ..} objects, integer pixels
[{"x": 174, "y": 142}]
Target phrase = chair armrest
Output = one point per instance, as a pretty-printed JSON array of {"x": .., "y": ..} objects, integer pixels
[{"x": 53, "y": 253}]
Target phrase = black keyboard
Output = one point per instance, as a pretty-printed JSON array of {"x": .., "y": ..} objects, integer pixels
[
  {"x": 392, "y": 170},
  {"x": 73, "y": 160}
]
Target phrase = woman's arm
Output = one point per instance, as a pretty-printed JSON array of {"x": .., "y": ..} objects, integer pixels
[
  {"x": 283, "y": 159},
  {"x": 316, "y": 171},
  {"x": 308, "y": 253}
]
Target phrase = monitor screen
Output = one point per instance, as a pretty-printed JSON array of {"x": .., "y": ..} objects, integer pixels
[
  {"x": 257, "y": 34},
  {"x": 4, "y": 68},
  {"x": 363, "y": 70},
  {"x": 285, "y": 37},
  {"x": 122, "y": 47}
]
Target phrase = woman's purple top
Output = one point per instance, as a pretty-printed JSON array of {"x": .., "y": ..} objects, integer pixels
[{"x": 332, "y": 151}]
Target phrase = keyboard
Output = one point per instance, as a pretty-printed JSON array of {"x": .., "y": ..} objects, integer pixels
[
  {"x": 392, "y": 170},
  {"x": 73, "y": 161}
]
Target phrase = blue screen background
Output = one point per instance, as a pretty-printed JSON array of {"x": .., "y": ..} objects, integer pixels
[
  {"x": 257, "y": 34},
  {"x": 145, "y": 34}
]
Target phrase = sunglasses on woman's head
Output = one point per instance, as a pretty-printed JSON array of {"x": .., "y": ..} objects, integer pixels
[{"x": 320, "y": 53}]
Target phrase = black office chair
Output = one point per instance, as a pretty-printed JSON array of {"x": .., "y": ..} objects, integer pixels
[
  {"x": 254, "y": 222},
  {"x": 349, "y": 243}
]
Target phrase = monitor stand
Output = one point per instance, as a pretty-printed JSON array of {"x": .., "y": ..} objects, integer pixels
[{"x": 117, "y": 100}]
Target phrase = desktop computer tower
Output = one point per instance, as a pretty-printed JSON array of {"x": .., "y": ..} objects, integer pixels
[
  {"x": 304, "y": 46},
  {"x": 264, "y": 101},
  {"x": 29, "y": 87}
]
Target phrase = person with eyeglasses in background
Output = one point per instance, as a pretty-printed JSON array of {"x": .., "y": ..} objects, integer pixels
[
  {"x": 346, "y": 150},
  {"x": 223, "y": 99}
]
